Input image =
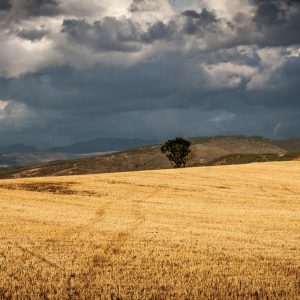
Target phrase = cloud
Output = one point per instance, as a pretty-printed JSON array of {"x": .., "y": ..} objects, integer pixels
[
  {"x": 197, "y": 23},
  {"x": 32, "y": 34},
  {"x": 147, "y": 68},
  {"x": 228, "y": 74},
  {"x": 110, "y": 34},
  {"x": 143, "y": 5},
  {"x": 278, "y": 21},
  {"x": 16, "y": 56},
  {"x": 5, "y": 5},
  {"x": 39, "y": 7},
  {"x": 14, "y": 115},
  {"x": 269, "y": 13},
  {"x": 83, "y": 42},
  {"x": 22, "y": 9},
  {"x": 151, "y": 10}
]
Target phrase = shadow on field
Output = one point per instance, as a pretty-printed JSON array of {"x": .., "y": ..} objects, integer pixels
[{"x": 48, "y": 187}]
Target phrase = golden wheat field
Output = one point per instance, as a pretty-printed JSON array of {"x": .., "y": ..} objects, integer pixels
[{"x": 229, "y": 232}]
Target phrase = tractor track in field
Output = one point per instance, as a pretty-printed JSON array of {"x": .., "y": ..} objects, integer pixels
[
  {"x": 115, "y": 246},
  {"x": 34, "y": 254},
  {"x": 117, "y": 242}
]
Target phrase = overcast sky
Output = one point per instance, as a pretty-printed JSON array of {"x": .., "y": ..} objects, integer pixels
[{"x": 71, "y": 70}]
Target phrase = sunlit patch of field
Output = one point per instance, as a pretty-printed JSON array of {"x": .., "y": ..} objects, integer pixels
[{"x": 228, "y": 232}]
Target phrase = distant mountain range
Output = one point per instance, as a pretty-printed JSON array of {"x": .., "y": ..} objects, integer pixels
[
  {"x": 92, "y": 146},
  {"x": 8, "y": 160},
  {"x": 24, "y": 155},
  {"x": 102, "y": 145},
  {"x": 206, "y": 151}
]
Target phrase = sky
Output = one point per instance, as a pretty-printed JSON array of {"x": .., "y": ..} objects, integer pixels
[{"x": 73, "y": 70}]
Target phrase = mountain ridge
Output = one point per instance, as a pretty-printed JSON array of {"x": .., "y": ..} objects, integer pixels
[{"x": 102, "y": 145}]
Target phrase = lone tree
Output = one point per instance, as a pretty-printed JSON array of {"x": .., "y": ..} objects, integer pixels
[{"x": 177, "y": 151}]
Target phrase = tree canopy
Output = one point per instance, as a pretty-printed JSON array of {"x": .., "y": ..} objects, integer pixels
[{"x": 177, "y": 151}]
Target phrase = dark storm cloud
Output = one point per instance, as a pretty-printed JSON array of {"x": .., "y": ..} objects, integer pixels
[
  {"x": 158, "y": 31},
  {"x": 22, "y": 9},
  {"x": 196, "y": 22},
  {"x": 104, "y": 100},
  {"x": 269, "y": 13},
  {"x": 110, "y": 34},
  {"x": 125, "y": 35},
  {"x": 191, "y": 73},
  {"x": 5, "y": 5},
  {"x": 32, "y": 35},
  {"x": 39, "y": 7},
  {"x": 279, "y": 21}
]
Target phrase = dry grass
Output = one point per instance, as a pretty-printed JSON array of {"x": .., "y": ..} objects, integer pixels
[{"x": 203, "y": 233}]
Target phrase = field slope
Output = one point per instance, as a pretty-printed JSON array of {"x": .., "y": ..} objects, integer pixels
[{"x": 228, "y": 232}]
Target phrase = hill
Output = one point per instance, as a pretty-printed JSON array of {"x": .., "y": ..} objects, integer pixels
[
  {"x": 291, "y": 144},
  {"x": 229, "y": 232},
  {"x": 12, "y": 160},
  {"x": 205, "y": 151},
  {"x": 102, "y": 145}
]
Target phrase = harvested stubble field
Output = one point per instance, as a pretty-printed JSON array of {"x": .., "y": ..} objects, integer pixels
[{"x": 228, "y": 232}]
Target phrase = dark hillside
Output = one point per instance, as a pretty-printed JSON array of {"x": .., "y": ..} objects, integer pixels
[{"x": 288, "y": 144}]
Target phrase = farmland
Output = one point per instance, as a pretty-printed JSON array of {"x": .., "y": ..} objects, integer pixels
[{"x": 227, "y": 232}]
